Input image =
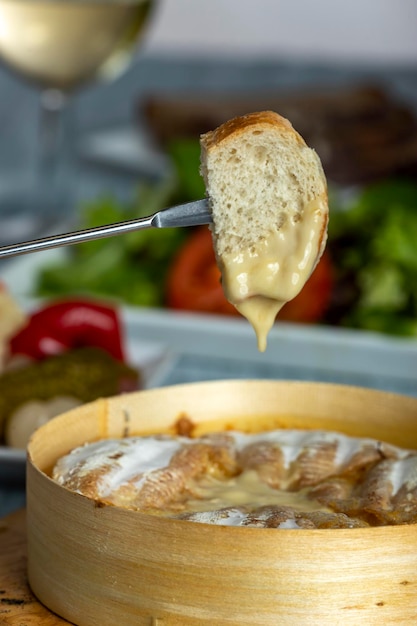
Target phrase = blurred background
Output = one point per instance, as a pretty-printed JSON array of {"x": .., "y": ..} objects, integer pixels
[
  {"x": 224, "y": 48},
  {"x": 123, "y": 135},
  {"x": 368, "y": 31},
  {"x": 102, "y": 104}
]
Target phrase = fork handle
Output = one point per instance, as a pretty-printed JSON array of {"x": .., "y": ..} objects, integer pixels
[
  {"x": 190, "y": 214},
  {"x": 79, "y": 236}
]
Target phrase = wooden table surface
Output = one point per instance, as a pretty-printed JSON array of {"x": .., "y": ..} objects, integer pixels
[{"x": 18, "y": 606}]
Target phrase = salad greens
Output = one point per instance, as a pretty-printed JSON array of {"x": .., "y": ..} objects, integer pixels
[
  {"x": 372, "y": 244},
  {"x": 131, "y": 268},
  {"x": 374, "y": 247}
]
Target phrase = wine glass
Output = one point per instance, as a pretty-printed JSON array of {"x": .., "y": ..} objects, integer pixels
[{"x": 62, "y": 45}]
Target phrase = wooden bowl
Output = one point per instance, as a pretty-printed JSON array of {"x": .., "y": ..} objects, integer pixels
[{"x": 100, "y": 565}]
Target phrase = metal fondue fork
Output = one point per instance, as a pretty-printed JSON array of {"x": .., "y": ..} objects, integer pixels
[{"x": 189, "y": 214}]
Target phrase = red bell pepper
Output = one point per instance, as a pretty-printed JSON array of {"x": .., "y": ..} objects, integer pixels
[{"x": 69, "y": 324}]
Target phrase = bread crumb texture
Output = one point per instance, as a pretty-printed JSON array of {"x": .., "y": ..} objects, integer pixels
[{"x": 259, "y": 173}]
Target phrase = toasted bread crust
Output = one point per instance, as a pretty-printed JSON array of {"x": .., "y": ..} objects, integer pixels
[{"x": 240, "y": 125}]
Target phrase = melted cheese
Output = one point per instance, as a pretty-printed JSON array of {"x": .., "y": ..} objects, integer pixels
[
  {"x": 246, "y": 489},
  {"x": 259, "y": 280}
]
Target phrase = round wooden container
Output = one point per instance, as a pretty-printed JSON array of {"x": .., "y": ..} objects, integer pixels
[{"x": 103, "y": 566}]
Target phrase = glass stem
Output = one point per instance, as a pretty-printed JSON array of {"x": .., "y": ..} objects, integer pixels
[{"x": 55, "y": 158}]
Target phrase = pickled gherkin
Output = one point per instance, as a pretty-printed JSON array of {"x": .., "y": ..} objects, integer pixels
[{"x": 84, "y": 373}]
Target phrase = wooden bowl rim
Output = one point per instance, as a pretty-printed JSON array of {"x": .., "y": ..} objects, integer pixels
[{"x": 208, "y": 385}]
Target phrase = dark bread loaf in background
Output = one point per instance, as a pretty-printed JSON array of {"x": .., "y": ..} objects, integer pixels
[{"x": 361, "y": 133}]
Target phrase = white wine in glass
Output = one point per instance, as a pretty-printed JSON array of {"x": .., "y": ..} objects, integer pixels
[{"x": 61, "y": 45}]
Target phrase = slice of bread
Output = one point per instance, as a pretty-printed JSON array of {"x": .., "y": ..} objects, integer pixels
[{"x": 268, "y": 198}]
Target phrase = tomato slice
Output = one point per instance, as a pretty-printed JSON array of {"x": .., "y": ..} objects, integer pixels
[
  {"x": 194, "y": 280},
  {"x": 194, "y": 284}
]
